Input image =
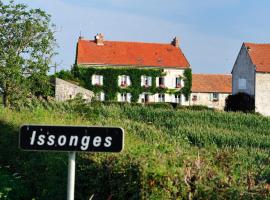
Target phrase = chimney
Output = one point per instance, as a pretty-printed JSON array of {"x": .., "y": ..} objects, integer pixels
[
  {"x": 175, "y": 42},
  {"x": 99, "y": 38},
  {"x": 81, "y": 38}
]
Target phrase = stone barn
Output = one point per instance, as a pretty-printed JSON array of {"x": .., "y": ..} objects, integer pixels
[{"x": 251, "y": 74}]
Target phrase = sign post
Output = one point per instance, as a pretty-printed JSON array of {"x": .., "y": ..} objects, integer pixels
[
  {"x": 71, "y": 139},
  {"x": 71, "y": 175}
]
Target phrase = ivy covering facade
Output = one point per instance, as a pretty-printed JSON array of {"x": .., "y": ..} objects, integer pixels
[{"x": 110, "y": 85}]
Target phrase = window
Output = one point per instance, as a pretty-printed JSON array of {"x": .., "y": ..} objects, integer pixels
[
  {"x": 161, "y": 82},
  {"x": 145, "y": 98},
  {"x": 146, "y": 81},
  {"x": 100, "y": 96},
  {"x": 215, "y": 96},
  {"x": 177, "y": 82},
  {"x": 242, "y": 84},
  {"x": 124, "y": 97},
  {"x": 194, "y": 97},
  {"x": 124, "y": 81},
  {"x": 97, "y": 80},
  {"x": 177, "y": 98},
  {"x": 161, "y": 97},
  {"x": 186, "y": 98}
]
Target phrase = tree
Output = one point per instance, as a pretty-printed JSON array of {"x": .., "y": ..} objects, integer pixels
[
  {"x": 240, "y": 102},
  {"x": 27, "y": 46}
]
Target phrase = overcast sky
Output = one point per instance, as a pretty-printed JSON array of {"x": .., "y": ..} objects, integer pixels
[{"x": 211, "y": 31}]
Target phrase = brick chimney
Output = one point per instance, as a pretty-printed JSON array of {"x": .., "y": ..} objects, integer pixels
[
  {"x": 175, "y": 42},
  {"x": 99, "y": 38}
]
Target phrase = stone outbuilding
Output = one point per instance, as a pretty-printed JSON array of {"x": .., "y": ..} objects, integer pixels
[
  {"x": 251, "y": 74},
  {"x": 210, "y": 90},
  {"x": 65, "y": 90}
]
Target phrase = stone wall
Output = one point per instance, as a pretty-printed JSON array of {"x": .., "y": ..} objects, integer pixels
[
  {"x": 65, "y": 90},
  {"x": 206, "y": 100},
  {"x": 243, "y": 69},
  {"x": 262, "y": 94}
]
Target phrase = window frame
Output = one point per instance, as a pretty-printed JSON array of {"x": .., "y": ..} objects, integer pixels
[
  {"x": 161, "y": 97},
  {"x": 178, "y": 83}
]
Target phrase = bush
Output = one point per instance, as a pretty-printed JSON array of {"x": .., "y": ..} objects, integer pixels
[
  {"x": 65, "y": 75},
  {"x": 240, "y": 102},
  {"x": 159, "y": 105},
  {"x": 194, "y": 107}
]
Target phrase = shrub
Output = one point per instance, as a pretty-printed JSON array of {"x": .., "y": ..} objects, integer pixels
[
  {"x": 159, "y": 105},
  {"x": 194, "y": 107},
  {"x": 240, "y": 102}
]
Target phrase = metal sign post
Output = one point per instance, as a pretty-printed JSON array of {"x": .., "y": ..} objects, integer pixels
[
  {"x": 71, "y": 139},
  {"x": 71, "y": 175}
]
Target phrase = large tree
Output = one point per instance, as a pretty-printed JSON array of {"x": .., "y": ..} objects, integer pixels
[{"x": 27, "y": 45}]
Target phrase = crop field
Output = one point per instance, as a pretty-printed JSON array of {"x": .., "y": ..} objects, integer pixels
[{"x": 169, "y": 154}]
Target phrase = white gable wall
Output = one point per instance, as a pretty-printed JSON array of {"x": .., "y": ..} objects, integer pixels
[
  {"x": 262, "y": 94},
  {"x": 245, "y": 70}
]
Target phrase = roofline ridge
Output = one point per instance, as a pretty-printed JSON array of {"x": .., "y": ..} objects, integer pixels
[
  {"x": 211, "y": 74},
  {"x": 129, "y": 42},
  {"x": 256, "y": 43}
]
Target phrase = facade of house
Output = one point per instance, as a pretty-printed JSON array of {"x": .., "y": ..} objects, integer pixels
[
  {"x": 251, "y": 74},
  {"x": 100, "y": 53},
  {"x": 210, "y": 90}
]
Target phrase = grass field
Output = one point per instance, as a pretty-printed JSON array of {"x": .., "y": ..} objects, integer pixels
[{"x": 169, "y": 154}]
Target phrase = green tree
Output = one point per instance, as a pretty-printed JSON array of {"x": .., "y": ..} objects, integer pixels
[
  {"x": 27, "y": 46},
  {"x": 187, "y": 82}
]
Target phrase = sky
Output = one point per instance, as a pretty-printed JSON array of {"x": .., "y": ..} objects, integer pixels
[{"x": 211, "y": 32}]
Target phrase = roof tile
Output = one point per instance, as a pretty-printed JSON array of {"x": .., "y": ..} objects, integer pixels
[
  {"x": 130, "y": 53},
  {"x": 207, "y": 83},
  {"x": 260, "y": 56}
]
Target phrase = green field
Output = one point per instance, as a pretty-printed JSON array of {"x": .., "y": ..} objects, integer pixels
[{"x": 169, "y": 154}]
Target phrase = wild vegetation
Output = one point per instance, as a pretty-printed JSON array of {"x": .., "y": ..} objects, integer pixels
[
  {"x": 169, "y": 154},
  {"x": 27, "y": 45}
]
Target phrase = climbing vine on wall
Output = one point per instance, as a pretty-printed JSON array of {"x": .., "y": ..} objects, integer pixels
[
  {"x": 110, "y": 81},
  {"x": 186, "y": 90}
]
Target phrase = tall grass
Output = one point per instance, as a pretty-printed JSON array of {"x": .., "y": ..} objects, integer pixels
[{"x": 169, "y": 154}]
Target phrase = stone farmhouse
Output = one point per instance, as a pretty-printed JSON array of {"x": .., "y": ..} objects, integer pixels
[
  {"x": 101, "y": 53},
  {"x": 251, "y": 74},
  {"x": 210, "y": 90}
]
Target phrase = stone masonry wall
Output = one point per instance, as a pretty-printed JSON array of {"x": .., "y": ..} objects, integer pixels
[
  {"x": 65, "y": 90},
  {"x": 205, "y": 100},
  {"x": 262, "y": 94}
]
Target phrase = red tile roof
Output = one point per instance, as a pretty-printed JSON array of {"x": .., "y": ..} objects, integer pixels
[
  {"x": 130, "y": 53},
  {"x": 205, "y": 83},
  {"x": 260, "y": 56}
]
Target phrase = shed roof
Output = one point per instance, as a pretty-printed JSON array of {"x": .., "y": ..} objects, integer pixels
[{"x": 206, "y": 83}]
